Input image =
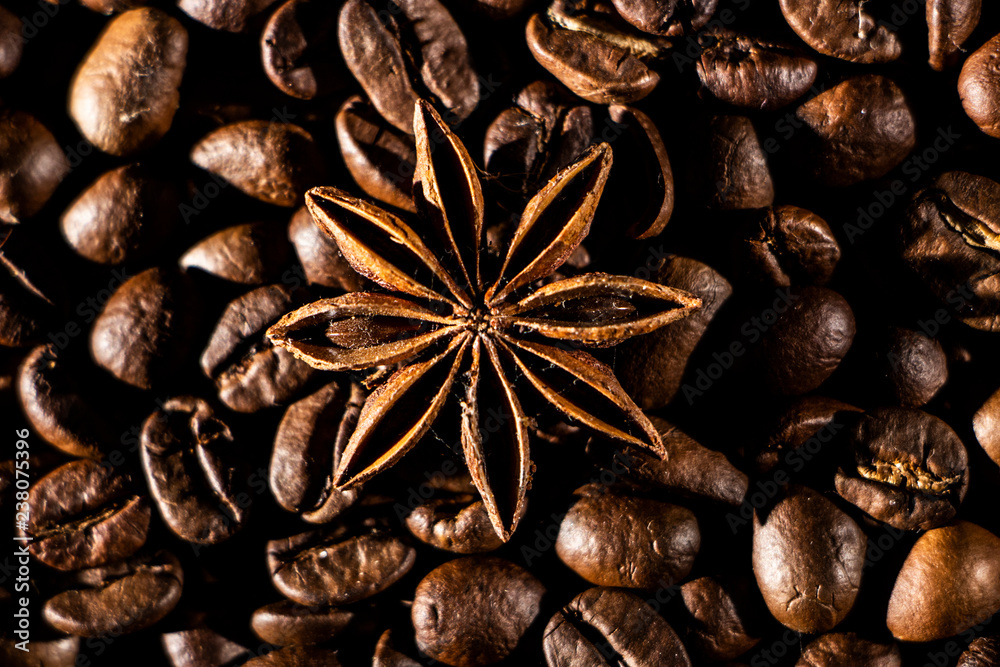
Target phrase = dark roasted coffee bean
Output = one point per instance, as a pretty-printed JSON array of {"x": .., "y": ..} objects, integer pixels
[
  {"x": 860, "y": 129},
  {"x": 54, "y": 653},
  {"x": 949, "y": 23},
  {"x": 56, "y": 400},
  {"x": 377, "y": 44},
  {"x": 651, "y": 367},
  {"x": 286, "y": 622},
  {"x": 270, "y": 161},
  {"x": 125, "y": 91},
  {"x": 725, "y": 617},
  {"x": 807, "y": 557},
  {"x": 474, "y": 610},
  {"x": 121, "y": 598},
  {"x": 109, "y": 7},
  {"x": 11, "y": 42},
  {"x": 950, "y": 240},
  {"x": 321, "y": 260},
  {"x": 388, "y": 654},
  {"x": 914, "y": 365},
  {"x": 338, "y": 566},
  {"x": 609, "y": 626},
  {"x": 736, "y": 173},
  {"x": 31, "y": 166},
  {"x": 979, "y": 87},
  {"x": 907, "y": 469},
  {"x": 612, "y": 539},
  {"x": 299, "y": 49},
  {"x": 381, "y": 158},
  {"x": 460, "y": 525},
  {"x": 123, "y": 216},
  {"x": 753, "y": 73},
  {"x": 666, "y": 17},
  {"x": 146, "y": 327},
  {"x": 843, "y": 29},
  {"x": 986, "y": 423},
  {"x": 808, "y": 424},
  {"x": 251, "y": 373},
  {"x": 949, "y": 583},
  {"x": 982, "y": 652},
  {"x": 307, "y": 448},
  {"x": 202, "y": 647},
  {"x": 229, "y": 15},
  {"x": 250, "y": 254},
  {"x": 82, "y": 514},
  {"x": 846, "y": 648},
  {"x": 296, "y": 656},
  {"x": 807, "y": 341},
  {"x": 788, "y": 245},
  {"x": 24, "y": 310},
  {"x": 193, "y": 472}
]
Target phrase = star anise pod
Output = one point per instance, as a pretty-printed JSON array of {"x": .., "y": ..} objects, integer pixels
[{"x": 451, "y": 326}]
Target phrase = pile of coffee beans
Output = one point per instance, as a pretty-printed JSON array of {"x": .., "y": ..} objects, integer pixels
[{"x": 823, "y": 174}]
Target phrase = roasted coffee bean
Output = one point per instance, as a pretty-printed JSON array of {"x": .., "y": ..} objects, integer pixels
[
  {"x": 613, "y": 539},
  {"x": 842, "y": 29},
  {"x": 860, "y": 129},
  {"x": 986, "y": 423},
  {"x": 109, "y": 7},
  {"x": 807, "y": 557},
  {"x": 908, "y": 469},
  {"x": 979, "y": 87},
  {"x": 949, "y": 583},
  {"x": 118, "y": 599},
  {"x": 950, "y": 238},
  {"x": 11, "y": 42},
  {"x": 500, "y": 9},
  {"x": 383, "y": 48},
  {"x": 474, "y": 610},
  {"x": 229, "y": 15},
  {"x": 251, "y": 373},
  {"x": 388, "y": 654},
  {"x": 914, "y": 365},
  {"x": 270, "y": 161},
  {"x": 307, "y": 448},
  {"x": 202, "y": 647},
  {"x": 146, "y": 327},
  {"x": 296, "y": 656},
  {"x": 753, "y": 73},
  {"x": 802, "y": 431},
  {"x": 651, "y": 367},
  {"x": 950, "y": 22},
  {"x": 982, "y": 652},
  {"x": 846, "y": 648},
  {"x": 736, "y": 173},
  {"x": 31, "y": 166},
  {"x": 809, "y": 338},
  {"x": 193, "y": 472},
  {"x": 125, "y": 91},
  {"x": 53, "y": 653},
  {"x": 284, "y": 623},
  {"x": 338, "y": 566},
  {"x": 24, "y": 310},
  {"x": 381, "y": 158},
  {"x": 669, "y": 17},
  {"x": 609, "y": 626},
  {"x": 55, "y": 399},
  {"x": 82, "y": 514},
  {"x": 249, "y": 254},
  {"x": 725, "y": 617},
  {"x": 321, "y": 260},
  {"x": 299, "y": 49},
  {"x": 460, "y": 525},
  {"x": 788, "y": 245},
  {"x": 123, "y": 216}
]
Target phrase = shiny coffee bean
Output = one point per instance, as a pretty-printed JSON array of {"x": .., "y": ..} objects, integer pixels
[
  {"x": 296, "y": 656},
  {"x": 31, "y": 166},
  {"x": 982, "y": 652},
  {"x": 979, "y": 87},
  {"x": 847, "y": 648},
  {"x": 202, "y": 647},
  {"x": 228, "y": 15},
  {"x": 459, "y": 524},
  {"x": 299, "y": 49},
  {"x": 666, "y": 17},
  {"x": 321, "y": 260},
  {"x": 788, "y": 245},
  {"x": 388, "y": 653},
  {"x": 249, "y": 254},
  {"x": 915, "y": 366},
  {"x": 725, "y": 617},
  {"x": 842, "y": 29},
  {"x": 474, "y": 610},
  {"x": 986, "y": 423},
  {"x": 53, "y": 653},
  {"x": 803, "y": 432},
  {"x": 11, "y": 42},
  {"x": 285, "y": 623},
  {"x": 736, "y": 172},
  {"x": 949, "y": 24}
]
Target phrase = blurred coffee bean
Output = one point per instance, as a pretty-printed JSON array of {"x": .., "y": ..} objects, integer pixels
[
  {"x": 377, "y": 43},
  {"x": 248, "y": 254},
  {"x": 609, "y": 626},
  {"x": 846, "y": 648},
  {"x": 381, "y": 158},
  {"x": 109, "y": 7},
  {"x": 982, "y": 652},
  {"x": 843, "y": 29},
  {"x": 295, "y": 656},
  {"x": 788, "y": 245},
  {"x": 986, "y": 423},
  {"x": 388, "y": 654},
  {"x": 202, "y": 647},
  {"x": 194, "y": 471},
  {"x": 31, "y": 166},
  {"x": 319, "y": 255},
  {"x": 908, "y": 469},
  {"x": 811, "y": 332},
  {"x": 474, "y": 610},
  {"x": 229, "y": 15},
  {"x": 117, "y": 599},
  {"x": 53, "y": 653},
  {"x": 612, "y": 539},
  {"x": 250, "y": 373},
  {"x": 979, "y": 87},
  {"x": 270, "y": 161},
  {"x": 125, "y": 91},
  {"x": 753, "y": 73},
  {"x": 24, "y": 310},
  {"x": 122, "y": 216},
  {"x": 55, "y": 397},
  {"x": 949, "y": 240},
  {"x": 860, "y": 129},
  {"x": 651, "y": 367},
  {"x": 83, "y": 514},
  {"x": 307, "y": 448},
  {"x": 347, "y": 563},
  {"x": 11, "y": 42},
  {"x": 459, "y": 524},
  {"x": 807, "y": 557},
  {"x": 949, "y": 23},
  {"x": 500, "y": 9},
  {"x": 725, "y": 614},
  {"x": 286, "y": 622},
  {"x": 146, "y": 327},
  {"x": 914, "y": 366},
  {"x": 299, "y": 49},
  {"x": 736, "y": 173},
  {"x": 949, "y": 583},
  {"x": 801, "y": 431},
  {"x": 666, "y": 17}
]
